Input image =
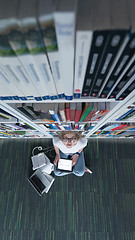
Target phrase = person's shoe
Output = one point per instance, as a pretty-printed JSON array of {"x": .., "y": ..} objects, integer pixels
[{"x": 88, "y": 170}]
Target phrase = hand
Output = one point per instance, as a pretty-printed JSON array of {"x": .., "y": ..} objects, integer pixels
[
  {"x": 57, "y": 158},
  {"x": 74, "y": 159}
]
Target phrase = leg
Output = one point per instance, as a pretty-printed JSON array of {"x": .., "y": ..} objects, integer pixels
[{"x": 79, "y": 168}]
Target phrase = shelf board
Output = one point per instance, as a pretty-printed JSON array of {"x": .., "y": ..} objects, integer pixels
[{"x": 64, "y": 100}]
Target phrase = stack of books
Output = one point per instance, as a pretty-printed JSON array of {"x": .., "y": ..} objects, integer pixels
[{"x": 66, "y": 49}]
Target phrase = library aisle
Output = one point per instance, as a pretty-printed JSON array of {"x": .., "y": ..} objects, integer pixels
[{"x": 98, "y": 206}]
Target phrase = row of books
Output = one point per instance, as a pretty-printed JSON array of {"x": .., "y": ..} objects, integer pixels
[
  {"x": 66, "y": 49},
  {"x": 65, "y": 112},
  {"x": 122, "y": 134},
  {"x": 128, "y": 114},
  {"x": 118, "y": 127},
  {"x": 20, "y": 134},
  {"x": 4, "y": 116},
  {"x": 15, "y": 127},
  {"x": 19, "y": 130},
  {"x": 116, "y": 130},
  {"x": 68, "y": 127}
]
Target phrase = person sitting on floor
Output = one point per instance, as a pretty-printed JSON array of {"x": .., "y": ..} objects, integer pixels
[{"x": 70, "y": 143}]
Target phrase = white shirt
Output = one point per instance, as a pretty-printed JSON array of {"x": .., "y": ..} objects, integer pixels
[{"x": 80, "y": 144}]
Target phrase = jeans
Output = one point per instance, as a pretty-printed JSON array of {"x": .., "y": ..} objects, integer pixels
[{"x": 78, "y": 169}]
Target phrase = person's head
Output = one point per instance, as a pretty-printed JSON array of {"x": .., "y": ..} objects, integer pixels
[{"x": 69, "y": 138}]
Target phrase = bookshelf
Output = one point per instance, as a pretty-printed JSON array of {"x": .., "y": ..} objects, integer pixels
[
  {"x": 66, "y": 53},
  {"x": 41, "y": 127}
]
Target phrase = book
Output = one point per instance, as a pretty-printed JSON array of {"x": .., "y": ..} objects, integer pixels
[
  {"x": 8, "y": 88},
  {"x": 125, "y": 77},
  {"x": 84, "y": 27},
  {"x": 61, "y": 109},
  {"x": 92, "y": 112},
  {"x": 43, "y": 110},
  {"x": 87, "y": 109},
  {"x": 72, "y": 111},
  {"x": 78, "y": 112},
  {"x": 67, "y": 111},
  {"x": 125, "y": 114},
  {"x": 37, "y": 63},
  {"x": 32, "y": 40},
  {"x": 119, "y": 28},
  {"x": 127, "y": 89},
  {"x": 115, "y": 40},
  {"x": 121, "y": 126},
  {"x": 22, "y": 109},
  {"x": 17, "y": 42},
  {"x": 130, "y": 116},
  {"x": 5, "y": 115},
  {"x": 31, "y": 34},
  {"x": 55, "y": 113},
  {"x": 101, "y": 24},
  {"x": 119, "y": 36},
  {"x": 47, "y": 27},
  {"x": 29, "y": 108},
  {"x": 64, "y": 17}
]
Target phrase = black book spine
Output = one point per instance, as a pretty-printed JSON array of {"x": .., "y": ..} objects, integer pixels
[
  {"x": 124, "y": 80},
  {"x": 46, "y": 115},
  {"x": 130, "y": 88},
  {"x": 115, "y": 41},
  {"x": 120, "y": 66},
  {"x": 26, "y": 113},
  {"x": 97, "y": 47}
]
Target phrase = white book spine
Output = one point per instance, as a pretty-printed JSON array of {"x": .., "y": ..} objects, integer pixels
[
  {"x": 14, "y": 68},
  {"x": 47, "y": 21},
  {"x": 44, "y": 69},
  {"x": 7, "y": 86},
  {"x": 33, "y": 72},
  {"x": 24, "y": 60},
  {"x": 65, "y": 29},
  {"x": 83, "y": 44},
  {"x": 56, "y": 69}
]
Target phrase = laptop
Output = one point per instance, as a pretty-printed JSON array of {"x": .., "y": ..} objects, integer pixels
[{"x": 41, "y": 182}]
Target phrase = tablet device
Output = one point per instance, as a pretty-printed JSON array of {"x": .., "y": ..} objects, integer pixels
[{"x": 65, "y": 165}]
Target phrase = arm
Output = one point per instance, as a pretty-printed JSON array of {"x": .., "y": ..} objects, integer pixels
[
  {"x": 57, "y": 157},
  {"x": 75, "y": 157}
]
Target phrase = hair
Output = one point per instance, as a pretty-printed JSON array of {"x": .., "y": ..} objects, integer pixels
[{"x": 78, "y": 135}]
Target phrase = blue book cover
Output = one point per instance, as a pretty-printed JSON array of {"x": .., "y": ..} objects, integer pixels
[{"x": 125, "y": 114}]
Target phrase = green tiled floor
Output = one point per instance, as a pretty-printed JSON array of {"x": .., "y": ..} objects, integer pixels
[{"x": 93, "y": 207}]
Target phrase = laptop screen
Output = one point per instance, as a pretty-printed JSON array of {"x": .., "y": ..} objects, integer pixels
[{"x": 37, "y": 183}]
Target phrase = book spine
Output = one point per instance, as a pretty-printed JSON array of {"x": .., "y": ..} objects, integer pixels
[
  {"x": 47, "y": 27},
  {"x": 114, "y": 42},
  {"x": 83, "y": 44},
  {"x": 125, "y": 114},
  {"x": 126, "y": 90},
  {"x": 124, "y": 59},
  {"x": 95, "y": 55},
  {"x": 65, "y": 31},
  {"x": 122, "y": 82}
]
